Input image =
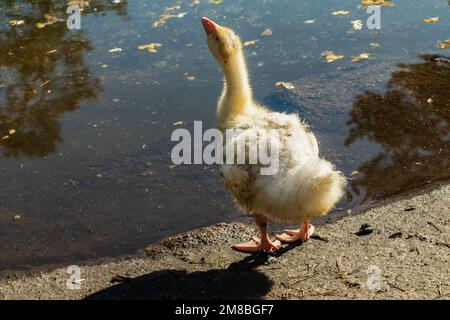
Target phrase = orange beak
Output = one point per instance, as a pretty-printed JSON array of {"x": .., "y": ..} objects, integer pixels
[{"x": 209, "y": 26}]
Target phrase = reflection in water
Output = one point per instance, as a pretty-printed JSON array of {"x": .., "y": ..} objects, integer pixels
[
  {"x": 43, "y": 74},
  {"x": 411, "y": 122}
]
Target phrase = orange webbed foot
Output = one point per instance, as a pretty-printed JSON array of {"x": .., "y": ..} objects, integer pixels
[
  {"x": 255, "y": 245},
  {"x": 298, "y": 235}
]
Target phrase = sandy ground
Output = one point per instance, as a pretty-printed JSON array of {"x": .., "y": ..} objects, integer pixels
[{"x": 398, "y": 250}]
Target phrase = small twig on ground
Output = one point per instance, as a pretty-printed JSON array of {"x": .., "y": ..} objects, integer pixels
[
  {"x": 442, "y": 296},
  {"x": 302, "y": 279},
  {"x": 443, "y": 244},
  {"x": 348, "y": 280},
  {"x": 393, "y": 285},
  {"x": 433, "y": 225},
  {"x": 319, "y": 237},
  {"x": 269, "y": 268}
]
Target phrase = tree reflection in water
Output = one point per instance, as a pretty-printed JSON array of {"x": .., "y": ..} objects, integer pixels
[
  {"x": 43, "y": 73},
  {"x": 411, "y": 122}
]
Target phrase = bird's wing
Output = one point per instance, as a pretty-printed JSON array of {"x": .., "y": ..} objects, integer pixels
[{"x": 237, "y": 179}]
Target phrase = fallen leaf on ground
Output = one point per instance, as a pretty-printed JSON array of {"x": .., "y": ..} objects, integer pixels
[
  {"x": 178, "y": 123},
  {"x": 431, "y": 20},
  {"x": 151, "y": 47},
  {"x": 267, "y": 32},
  {"x": 444, "y": 44},
  {"x": 12, "y": 131},
  {"x": 354, "y": 172},
  {"x": 17, "y": 217},
  {"x": 331, "y": 56},
  {"x": 310, "y": 21},
  {"x": 362, "y": 56},
  {"x": 374, "y": 45},
  {"x": 286, "y": 85},
  {"x": 340, "y": 13},
  {"x": 115, "y": 50},
  {"x": 250, "y": 43}
]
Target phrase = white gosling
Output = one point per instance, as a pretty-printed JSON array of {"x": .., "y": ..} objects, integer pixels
[{"x": 304, "y": 187}]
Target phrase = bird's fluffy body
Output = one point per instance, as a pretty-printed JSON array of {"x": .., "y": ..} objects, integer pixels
[{"x": 305, "y": 185}]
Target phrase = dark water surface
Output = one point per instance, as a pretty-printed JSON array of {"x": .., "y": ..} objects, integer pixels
[{"x": 85, "y": 133}]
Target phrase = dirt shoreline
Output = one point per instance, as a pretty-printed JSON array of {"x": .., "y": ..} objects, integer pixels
[{"x": 403, "y": 252}]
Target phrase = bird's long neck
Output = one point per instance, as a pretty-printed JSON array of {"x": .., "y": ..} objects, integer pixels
[{"x": 236, "y": 98}]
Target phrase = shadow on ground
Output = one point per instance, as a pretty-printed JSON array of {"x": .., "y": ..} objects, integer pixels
[
  {"x": 239, "y": 281},
  {"x": 179, "y": 284}
]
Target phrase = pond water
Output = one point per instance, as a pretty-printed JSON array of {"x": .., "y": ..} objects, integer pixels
[{"x": 85, "y": 165}]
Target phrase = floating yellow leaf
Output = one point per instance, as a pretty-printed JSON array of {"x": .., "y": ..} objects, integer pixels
[
  {"x": 189, "y": 77},
  {"x": 79, "y": 3},
  {"x": 250, "y": 43},
  {"x": 267, "y": 32},
  {"x": 286, "y": 85},
  {"x": 340, "y": 13},
  {"x": 356, "y": 24},
  {"x": 331, "y": 57},
  {"x": 115, "y": 50},
  {"x": 374, "y": 45},
  {"x": 167, "y": 16},
  {"x": 385, "y": 3},
  {"x": 444, "y": 44},
  {"x": 354, "y": 172},
  {"x": 151, "y": 47},
  {"x": 362, "y": 56},
  {"x": 310, "y": 21},
  {"x": 172, "y": 8},
  {"x": 16, "y": 23},
  {"x": 50, "y": 20},
  {"x": 216, "y": 1},
  {"x": 431, "y": 20},
  {"x": 178, "y": 123}
]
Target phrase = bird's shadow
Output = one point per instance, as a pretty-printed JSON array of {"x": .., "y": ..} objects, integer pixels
[{"x": 241, "y": 280}]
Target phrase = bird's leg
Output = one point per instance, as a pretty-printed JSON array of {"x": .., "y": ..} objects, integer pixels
[
  {"x": 302, "y": 234},
  {"x": 256, "y": 244}
]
